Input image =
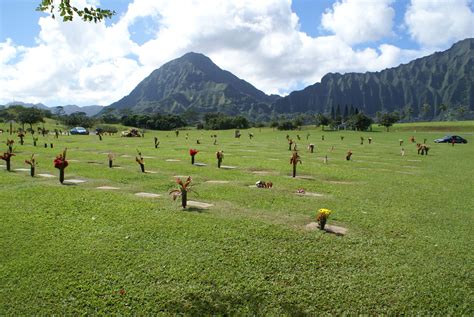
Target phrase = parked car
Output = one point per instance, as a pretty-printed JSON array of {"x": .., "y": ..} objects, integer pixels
[
  {"x": 79, "y": 130},
  {"x": 450, "y": 138}
]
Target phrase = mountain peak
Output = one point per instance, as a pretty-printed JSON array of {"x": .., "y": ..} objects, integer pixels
[{"x": 193, "y": 81}]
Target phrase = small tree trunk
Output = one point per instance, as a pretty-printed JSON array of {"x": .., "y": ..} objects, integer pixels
[
  {"x": 110, "y": 163},
  {"x": 46, "y": 145},
  {"x": 219, "y": 163},
  {"x": 184, "y": 198},
  {"x": 61, "y": 175},
  {"x": 192, "y": 159},
  {"x": 8, "y": 164},
  {"x": 51, "y": 145},
  {"x": 100, "y": 137},
  {"x": 312, "y": 149},
  {"x": 289, "y": 147},
  {"x": 21, "y": 140},
  {"x": 294, "y": 170},
  {"x": 142, "y": 166},
  {"x": 10, "y": 149},
  {"x": 32, "y": 171},
  {"x": 34, "y": 143}
]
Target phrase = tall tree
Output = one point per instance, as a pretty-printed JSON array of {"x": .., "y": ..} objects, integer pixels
[
  {"x": 387, "y": 119},
  {"x": 30, "y": 116}
]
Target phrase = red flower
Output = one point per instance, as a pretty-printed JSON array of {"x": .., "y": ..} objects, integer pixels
[
  {"x": 6, "y": 156},
  {"x": 193, "y": 152},
  {"x": 60, "y": 162}
]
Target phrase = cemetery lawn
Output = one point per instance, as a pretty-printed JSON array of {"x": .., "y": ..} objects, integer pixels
[{"x": 76, "y": 249}]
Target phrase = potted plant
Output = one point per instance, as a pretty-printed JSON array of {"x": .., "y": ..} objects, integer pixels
[
  {"x": 322, "y": 217},
  {"x": 61, "y": 163},
  {"x": 184, "y": 188}
]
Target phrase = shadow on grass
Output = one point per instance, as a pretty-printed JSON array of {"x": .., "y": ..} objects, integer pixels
[
  {"x": 68, "y": 184},
  {"x": 221, "y": 304},
  {"x": 195, "y": 209}
]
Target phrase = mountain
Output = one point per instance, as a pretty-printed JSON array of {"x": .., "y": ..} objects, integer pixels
[
  {"x": 88, "y": 110},
  {"x": 194, "y": 83},
  {"x": 68, "y": 109},
  {"x": 441, "y": 78},
  {"x": 27, "y": 105}
]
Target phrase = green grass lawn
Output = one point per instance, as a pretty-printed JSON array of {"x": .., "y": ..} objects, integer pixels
[{"x": 76, "y": 249}]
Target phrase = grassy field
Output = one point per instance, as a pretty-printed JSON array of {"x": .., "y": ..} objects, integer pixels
[{"x": 76, "y": 249}]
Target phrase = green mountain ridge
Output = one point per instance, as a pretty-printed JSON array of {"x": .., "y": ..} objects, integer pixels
[{"x": 441, "y": 78}]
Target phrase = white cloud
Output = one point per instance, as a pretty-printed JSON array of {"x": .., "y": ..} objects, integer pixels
[
  {"x": 359, "y": 21},
  {"x": 439, "y": 23},
  {"x": 259, "y": 41}
]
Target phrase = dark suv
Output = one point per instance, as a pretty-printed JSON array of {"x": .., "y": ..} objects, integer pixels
[{"x": 450, "y": 138}]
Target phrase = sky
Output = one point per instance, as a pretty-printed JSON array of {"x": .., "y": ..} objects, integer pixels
[{"x": 276, "y": 45}]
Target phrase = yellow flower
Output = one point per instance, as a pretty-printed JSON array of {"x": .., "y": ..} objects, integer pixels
[{"x": 325, "y": 211}]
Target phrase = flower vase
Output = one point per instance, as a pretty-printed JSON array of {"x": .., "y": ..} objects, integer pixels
[
  {"x": 184, "y": 198},
  {"x": 61, "y": 175},
  {"x": 322, "y": 223}
]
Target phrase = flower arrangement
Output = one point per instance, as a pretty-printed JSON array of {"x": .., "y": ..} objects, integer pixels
[
  {"x": 295, "y": 159},
  {"x": 322, "y": 217},
  {"x": 61, "y": 163},
  {"x": 193, "y": 152},
  {"x": 141, "y": 161},
  {"x": 300, "y": 191},
  {"x": 7, "y": 157},
  {"x": 184, "y": 188},
  {"x": 111, "y": 157},
  {"x": 32, "y": 163},
  {"x": 219, "y": 156},
  {"x": 348, "y": 155},
  {"x": 21, "y": 135},
  {"x": 9, "y": 143}
]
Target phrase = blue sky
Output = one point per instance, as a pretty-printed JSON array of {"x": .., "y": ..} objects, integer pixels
[{"x": 277, "y": 45}]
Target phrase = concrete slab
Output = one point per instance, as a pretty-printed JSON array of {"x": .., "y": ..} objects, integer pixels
[
  {"x": 46, "y": 175},
  {"x": 197, "y": 204},
  {"x": 74, "y": 181},
  {"x": 107, "y": 187},
  {"x": 147, "y": 195}
]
